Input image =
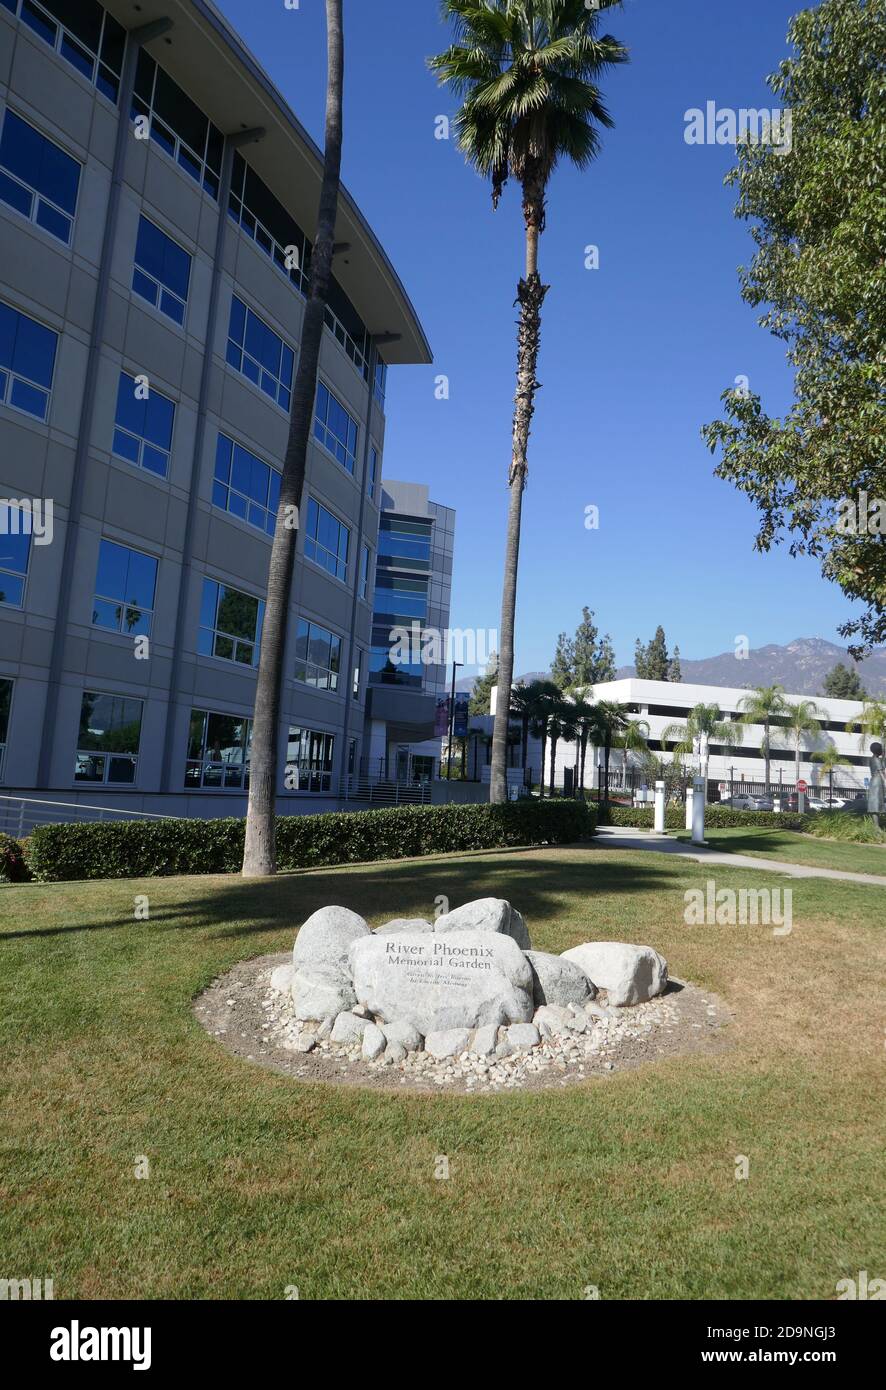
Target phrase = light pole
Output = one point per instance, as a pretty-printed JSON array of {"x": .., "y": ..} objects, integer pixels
[{"x": 455, "y": 666}]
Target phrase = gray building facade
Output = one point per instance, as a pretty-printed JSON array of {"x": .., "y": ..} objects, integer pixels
[{"x": 154, "y": 188}]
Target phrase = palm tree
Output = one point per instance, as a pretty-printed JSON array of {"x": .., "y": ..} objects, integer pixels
[
  {"x": 548, "y": 697},
  {"x": 613, "y": 726},
  {"x": 704, "y": 725},
  {"x": 830, "y": 759},
  {"x": 761, "y": 706},
  {"x": 259, "y": 855},
  {"x": 561, "y": 725},
  {"x": 870, "y": 724},
  {"x": 803, "y": 718},
  {"x": 525, "y": 72},
  {"x": 525, "y": 706},
  {"x": 585, "y": 724}
]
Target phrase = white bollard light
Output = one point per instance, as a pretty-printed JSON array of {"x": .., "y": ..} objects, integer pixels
[
  {"x": 698, "y": 809},
  {"x": 689, "y": 796},
  {"x": 659, "y": 821}
]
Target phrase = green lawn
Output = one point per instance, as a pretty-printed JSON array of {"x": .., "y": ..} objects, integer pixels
[
  {"x": 258, "y": 1182},
  {"x": 794, "y": 848}
]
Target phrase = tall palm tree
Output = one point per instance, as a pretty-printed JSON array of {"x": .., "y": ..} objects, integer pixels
[
  {"x": 804, "y": 719},
  {"x": 526, "y": 73},
  {"x": 259, "y": 855},
  {"x": 761, "y": 706},
  {"x": 585, "y": 724},
  {"x": 704, "y": 725},
  {"x": 525, "y": 706},
  {"x": 561, "y": 725},
  {"x": 830, "y": 759},
  {"x": 871, "y": 723}
]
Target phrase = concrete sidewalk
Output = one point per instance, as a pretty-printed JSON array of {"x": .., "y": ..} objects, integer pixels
[{"x": 617, "y": 837}]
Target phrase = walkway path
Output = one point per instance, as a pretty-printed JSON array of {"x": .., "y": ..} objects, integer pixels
[{"x": 617, "y": 837}]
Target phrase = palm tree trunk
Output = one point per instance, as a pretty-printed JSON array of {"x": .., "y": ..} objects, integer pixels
[
  {"x": 259, "y": 856},
  {"x": 554, "y": 741},
  {"x": 607, "y": 748},
  {"x": 541, "y": 774},
  {"x": 582, "y": 754},
  {"x": 530, "y": 297},
  {"x": 525, "y": 743},
  {"x": 766, "y": 754}
]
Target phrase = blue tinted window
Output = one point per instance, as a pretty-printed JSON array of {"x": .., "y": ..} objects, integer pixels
[
  {"x": 245, "y": 486},
  {"x": 143, "y": 427},
  {"x": 335, "y": 428},
  {"x": 125, "y": 583},
  {"x": 86, "y": 36},
  {"x": 15, "y": 551},
  {"x": 260, "y": 354},
  {"x": 162, "y": 271},
  {"x": 327, "y": 541},
  {"x": 37, "y": 178},
  {"x": 27, "y": 362}
]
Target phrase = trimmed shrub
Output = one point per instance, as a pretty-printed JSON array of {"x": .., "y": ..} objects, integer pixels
[
  {"x": 837, "y": 825},
  {"x": 716, "y": 818},
  {"x": 13, "y": 867},
  {"x": 148, "y": 849}
]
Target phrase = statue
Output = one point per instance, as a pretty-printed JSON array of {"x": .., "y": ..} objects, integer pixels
[{"x": 877, "y": 784}]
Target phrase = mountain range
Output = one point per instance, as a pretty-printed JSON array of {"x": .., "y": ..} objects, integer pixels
[{"x": 800, "y": 667}]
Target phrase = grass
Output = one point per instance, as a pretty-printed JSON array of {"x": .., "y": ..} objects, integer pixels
[
  {"x": 258, "y": 1182},
  {"x": 795, "y": 848}
]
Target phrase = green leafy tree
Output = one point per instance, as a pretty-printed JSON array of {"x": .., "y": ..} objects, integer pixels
[
  {"x": 675, "y": 672},
  {"x": 830, "y": 760},
  {"x": 763, "y": 705},
  {"x": 651, "y": 661},
  {"x": 480, "y": 695},
  {"x": 594, "y": 656},
  {"x": 704, "y": 725},
  {"x": 563, "y": 664},
  {"x": 819, "y": 274},
  {"x": 526, "y": 73},
  {"x": 615, "y": 728},
  {"x": 871, "y": 723},
  {"x": 843, "y": 684}
]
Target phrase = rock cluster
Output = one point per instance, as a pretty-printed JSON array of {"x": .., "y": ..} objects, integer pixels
[{"x": 464, "y": 996}]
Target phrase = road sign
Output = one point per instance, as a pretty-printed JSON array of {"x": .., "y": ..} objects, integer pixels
[
  {"x": 723, "y": 787},
  {"x": 802, "y": 787}
]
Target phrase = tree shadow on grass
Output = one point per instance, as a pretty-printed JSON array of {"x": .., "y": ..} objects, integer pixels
[{"x": 239, "y": 907}]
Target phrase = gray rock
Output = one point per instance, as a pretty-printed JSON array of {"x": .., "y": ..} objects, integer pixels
[
  {"x": 629, "y": 974},
  {"x": 321, "y": 982},
  {"x": 306, "y": 1042},
  {"x": 449, "y": 1042},
  {"x": 281, "y": 979},
  {"x": 484, "y": 1040},
  {"x": 553, "y": 1018},
  {"x": 404, "y": 1035},
  {"x": 395, "y": 1052},
  {"x": 523, "y": 1036},
  {"x": 461, "y": 979},
  {"x": 558, "y": 981},
  {"x": 505, "y": 1048},
  {"x": 486, "y": 914},
  {"x": 374, "y": 1042},
  {"x": 404, "y": 924},
  {"x": 348, "y": 1029}
]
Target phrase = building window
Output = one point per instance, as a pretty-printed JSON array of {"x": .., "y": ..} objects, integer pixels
[
  {"x": 125, "y": 585},
  {"x": 37, "y": 178},
  {"x": 309, "y": 760},
  {"x": 372, "y": 476},
  {"x": 397, "y": 597},
  {"x": 380, "y": 385},
  {"x": 108, "y": 742},
  {"x": 177, "y": 124},
  {"x": 230, "y": 624},
  {"x": 245, "y": 486},
  {"x": 404, "y": 543},
  {"x": 358, "y": 671},
  {"x": 27, "y": 363},
  {"x": 162, "y": 271},
  {"x": 15, "y": 553},
  {"x": 335, "y": 428},
  {"x": 384, "y": 670},
  {"x": 5, "y": 706},
  {"x": 260, "y": 354},
  {"x": 143, "y": 427},
  {"x": 253, "y": 207},
  {"x": 218, "y": 751},
  {"x": 364, "y": 571},
  {"x": 317, "y": 656},
  {"x": 327, "y": 541},
  {"x": 86, "y": 36}
]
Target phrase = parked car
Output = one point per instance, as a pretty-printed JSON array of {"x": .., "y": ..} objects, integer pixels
[
  {"x": 739, "y": 802},
  {"x": 762, "y": 803},
  {"x": 856, "y": 805}
]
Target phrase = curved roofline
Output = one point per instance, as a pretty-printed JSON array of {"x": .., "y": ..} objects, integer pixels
[{"x": 214, "y": 16}]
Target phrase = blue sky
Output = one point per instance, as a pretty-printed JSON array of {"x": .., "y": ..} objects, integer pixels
[{"x": 634, "y": 355}]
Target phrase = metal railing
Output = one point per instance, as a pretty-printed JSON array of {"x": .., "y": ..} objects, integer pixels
[
  {"x": 385, "y": 792},
  {"x": 19, "y": 815}
]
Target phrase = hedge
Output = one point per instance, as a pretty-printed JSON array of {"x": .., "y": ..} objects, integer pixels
[
  {"x": 13, "y": 868},
  {"x": 715, "y": 818},
  {"x": 148, "y": 849}
]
